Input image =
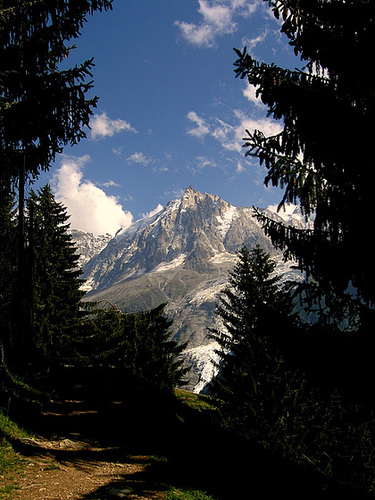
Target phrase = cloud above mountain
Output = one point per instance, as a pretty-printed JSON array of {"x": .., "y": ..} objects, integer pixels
[{"x": 90, "y": 208}]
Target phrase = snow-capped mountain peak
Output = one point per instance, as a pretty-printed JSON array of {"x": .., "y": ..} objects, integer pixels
[{"x": 181, "y": 256}]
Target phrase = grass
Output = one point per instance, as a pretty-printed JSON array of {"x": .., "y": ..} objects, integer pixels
[
  {"x": 10, "y": 429},
  {"x": 10, "y": 462},
  {"x": 198, "y": 402},
  {"x": 186, "y": 494},
  {"x": 7, "y": 490}
]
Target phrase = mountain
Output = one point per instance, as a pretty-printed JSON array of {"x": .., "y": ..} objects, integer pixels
[
  {"x": 180, "y": 256},
  {"x": 88, "y": 245}
]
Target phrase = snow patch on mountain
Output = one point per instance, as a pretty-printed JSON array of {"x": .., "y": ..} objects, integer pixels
[
  {"x": 203, "y": 361},
  {"x": 223, "y": 257},
  {"x": 167, "y": 266},
  {"x": 225, "y": 220}
]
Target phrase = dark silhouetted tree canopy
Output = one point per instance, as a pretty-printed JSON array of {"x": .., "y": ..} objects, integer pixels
[
  {"x": 42, "y": 107},
  {"x": 323, "y": 157}
]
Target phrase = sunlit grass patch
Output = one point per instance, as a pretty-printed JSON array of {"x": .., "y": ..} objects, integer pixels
[{"x": 187, "y": 494}]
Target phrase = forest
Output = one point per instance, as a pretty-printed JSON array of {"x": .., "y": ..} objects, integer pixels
[{"x": 294, "y": 389}]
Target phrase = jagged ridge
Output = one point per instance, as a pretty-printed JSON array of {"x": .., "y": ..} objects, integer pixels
[{"x": 181, "y": 255}]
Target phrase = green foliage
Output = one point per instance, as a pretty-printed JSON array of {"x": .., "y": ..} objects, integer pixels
[
  {"x": 138, "y": 342},
  {"x": 268, "y": 397},
  {"x": 8, "y": 267},
  {"x": 56, "y": 282},
  {"x": 187, "y": 494},
  {"x": 10, "y": 429},
  {"x": 35, "y": 81},
  {"x": 10, "y": 461},
  {"x": 251, "y": 369},
  {"x": 199, "y": 402},
  {"x": 328, "y": 413}
]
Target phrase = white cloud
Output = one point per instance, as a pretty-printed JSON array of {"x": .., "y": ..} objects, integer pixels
[
  {"x": 230, "y": 136},
  {"x": 250, "y": 93},
  {"x": 201, "y": 128},
  {"x": 200, "y": 163},
  {"x": 90, "y": 208},
  {"x": 240, "y": 168},
  {"x": 218, "y": 17},
  {"x": 251, "y": 43},
  {"x": 110, "y": 183},
  {"x": 103, "y": 126},
  {"x": 204, "y": 162},
  {"x": 139, "y": 158}
]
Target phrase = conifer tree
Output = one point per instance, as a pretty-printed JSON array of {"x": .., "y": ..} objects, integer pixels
[
  {"x": 253, "y": 309},
  {"x": 264, "y": 397},
  {"x": 43, "y": 103},
  {"x": 55, "y": 294},
  {"x": 34, "y": 83},
  {"x": 323, "y": 157},
  {"x": 8, "y": 273},
  {"x": 139, "y": 343},
  {"x": 155, "y": 356}
]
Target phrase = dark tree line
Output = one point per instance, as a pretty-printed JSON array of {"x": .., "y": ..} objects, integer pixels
[
  {"x": 263, "y": 395},
  {"x": 299, "y": 378},
  {"x": 44, "y": 106},
  {"x": 139, "y": 343},
  {"x": 323, "y": 156},
  {"x": 58, "y": 328}
]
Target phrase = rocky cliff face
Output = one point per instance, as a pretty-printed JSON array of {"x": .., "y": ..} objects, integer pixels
[
  {"x": 180, "y": 256},
  {"x": 88, "y": 245}
]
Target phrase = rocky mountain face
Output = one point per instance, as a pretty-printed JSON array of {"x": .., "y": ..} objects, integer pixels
[
  {"x": 88, "y": 245},
  {"x": 180, "y": 256}
]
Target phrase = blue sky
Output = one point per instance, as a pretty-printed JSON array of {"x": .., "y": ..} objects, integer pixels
[{"x": 171, "y": 113}]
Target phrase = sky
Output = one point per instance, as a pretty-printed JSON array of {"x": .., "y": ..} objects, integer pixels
[{"x": 171, "y": 113}]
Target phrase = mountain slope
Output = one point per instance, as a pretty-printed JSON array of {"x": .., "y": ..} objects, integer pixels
[{"x": 182, "y": 256}]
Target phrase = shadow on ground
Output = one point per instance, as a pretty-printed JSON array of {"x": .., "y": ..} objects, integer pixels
[{"x": 116, "y": 419}]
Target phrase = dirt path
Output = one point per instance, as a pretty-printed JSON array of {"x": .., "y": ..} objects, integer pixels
[
  {"x": 75, "y": 456},
  {"x": 66, "y": 469}
]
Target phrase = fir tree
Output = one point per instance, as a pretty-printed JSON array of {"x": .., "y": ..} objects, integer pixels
[
  {"x": 56, "y": 282},
  {"x": 35, "y": 39},
  {"x": 33, "y": 44},
  {"x": 8, "y": 270},
  {"x": 139, "y": 343},
  {"x": 323, "y": 156},
  {"x": 156, "y": 357},
  {"x": 254, "y": 309}
]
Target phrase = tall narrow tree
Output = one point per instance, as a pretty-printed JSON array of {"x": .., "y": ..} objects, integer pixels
[
  {"x": 44, "y": 104},
  {"x": 55, "y": 291},
  {"x": 254, "y": 309}
]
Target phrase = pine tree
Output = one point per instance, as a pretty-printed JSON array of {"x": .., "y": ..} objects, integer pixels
[
  {"x": 56, "y": 294},
  {"x": 33, "y": 45},
  {"x": 323, "y": 157},
  {"x": 139, "y": 343},
  {"x": 155, "y": 356},
  {"x": 254, "y": 309},
  {"x": 43, "y": 104},
  {"x": 8, "y": 270},
  {"x": 264, "y": 397}
]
